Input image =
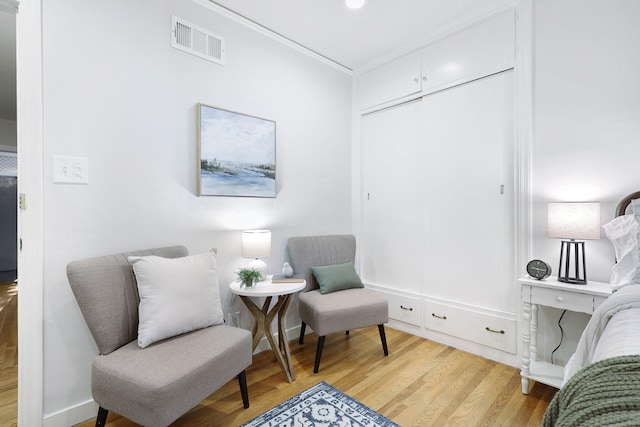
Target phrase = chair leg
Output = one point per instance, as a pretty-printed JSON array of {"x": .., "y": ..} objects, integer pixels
[
  {"x": 383, "y": 338},
  {"x": 242, "y": 380},
  {"x": 101, "y": 419},
  {"x": 303, "y": 327},
  {"x": 316, "y": 366}
]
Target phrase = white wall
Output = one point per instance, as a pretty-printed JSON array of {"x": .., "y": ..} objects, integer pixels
[
  {"x": 587, "y": 117},
  {"x": 116, "y": 93}
]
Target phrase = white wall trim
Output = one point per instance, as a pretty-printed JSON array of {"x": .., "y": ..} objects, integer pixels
[
  {"x": 30, "y": 220},
  {"x": 73, "y": 415},
  {"x": 524, "y": 128},
  {"x": 228, "y": 13}
]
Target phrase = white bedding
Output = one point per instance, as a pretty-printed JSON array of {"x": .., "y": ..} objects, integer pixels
[
  {"x": 614, "y": 330},
  {"x": 621, "y": 336}
]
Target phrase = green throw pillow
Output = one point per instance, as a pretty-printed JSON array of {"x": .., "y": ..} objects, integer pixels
[{"x": 338, "y": 277}]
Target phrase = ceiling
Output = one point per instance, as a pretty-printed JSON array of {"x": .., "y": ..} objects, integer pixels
[{"x": 353, "y": 38}]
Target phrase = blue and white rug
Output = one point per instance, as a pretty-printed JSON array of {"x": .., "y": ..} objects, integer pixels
[{"x": 321, "y": 406}]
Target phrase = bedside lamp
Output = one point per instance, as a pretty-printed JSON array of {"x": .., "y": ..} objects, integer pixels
[
  {"x": 573, "y": 222},
  {"x": 256, "y": 244}
]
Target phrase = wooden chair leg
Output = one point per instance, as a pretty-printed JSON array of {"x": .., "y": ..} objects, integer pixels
[
  {"x": 303, "y": 328},
  {"x": 101, "y": 419},
  {"x": 383, "y": 338},
  {"x": 242, "y": 380},
  {"x": 316, "y": 366}
]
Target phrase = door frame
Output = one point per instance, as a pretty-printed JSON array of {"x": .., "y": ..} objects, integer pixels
[{"x": 31, "y": 214}]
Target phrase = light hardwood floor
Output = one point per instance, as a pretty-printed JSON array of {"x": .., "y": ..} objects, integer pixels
[
  {"x": 8, "y": 354},
  {"x": 420, "y": 383}
]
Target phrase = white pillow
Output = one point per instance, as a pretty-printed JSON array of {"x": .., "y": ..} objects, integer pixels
[
  {"x": 622, "y": 232},
  {"x": 177, "y": 295},
  {"x": 635, "y": 204}
]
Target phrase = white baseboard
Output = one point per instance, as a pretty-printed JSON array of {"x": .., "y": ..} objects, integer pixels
[
  {"x": 72, "y": 416},
  {"x": 292, "y": 334}
]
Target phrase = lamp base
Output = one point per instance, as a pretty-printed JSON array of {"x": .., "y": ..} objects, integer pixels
[
  {"x": 579, "y": 263},
  {"x": 259, "y": 266}
]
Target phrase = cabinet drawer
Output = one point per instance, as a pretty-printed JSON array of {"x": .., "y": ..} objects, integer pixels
[
  {"x": 405, "y": 309},
  {"x": 482, "y": 328},
  {"x": 565, "y": 300}
]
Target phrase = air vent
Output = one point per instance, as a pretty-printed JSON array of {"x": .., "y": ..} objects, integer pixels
[{"x": 197, "y": 41}]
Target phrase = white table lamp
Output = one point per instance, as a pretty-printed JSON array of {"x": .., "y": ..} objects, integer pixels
[
  {"x": 572, "y": 222},
  {"x": 256, "y": 244}
]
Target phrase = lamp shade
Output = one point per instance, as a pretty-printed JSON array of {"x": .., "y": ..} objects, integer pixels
[
  {"x": 573, "y": 220},
  {"x": 256, "y": 243}
]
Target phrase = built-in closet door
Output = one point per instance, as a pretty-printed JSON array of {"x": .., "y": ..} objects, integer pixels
[
  {"x": 390, "y": 247},
  {"x": 467, "y": 193}
]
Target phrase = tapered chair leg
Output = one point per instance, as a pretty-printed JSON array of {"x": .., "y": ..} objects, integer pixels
[
  {"x": 383, "y": 338},
  {"x": 316, "y": 365},
  {"x": 242, "y": 380},
  {"x": 303, "y": 328},
  {"x": 101, "y": 419}
]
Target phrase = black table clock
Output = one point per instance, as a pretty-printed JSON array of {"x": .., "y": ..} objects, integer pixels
[{"x": 538, "y": 269}]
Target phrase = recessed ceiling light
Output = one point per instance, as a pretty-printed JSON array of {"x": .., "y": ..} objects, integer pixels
[{"x": 354, "y": 4}]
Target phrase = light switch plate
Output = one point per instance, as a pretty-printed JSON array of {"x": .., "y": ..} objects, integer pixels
[{"x": 70, "y": 170}]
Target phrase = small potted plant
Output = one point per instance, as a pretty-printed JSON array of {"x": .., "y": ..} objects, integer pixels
[{"x": 248, "y": 276}]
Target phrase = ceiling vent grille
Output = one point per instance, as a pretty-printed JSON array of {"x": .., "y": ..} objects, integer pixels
[{"x": 197, "y": 41}]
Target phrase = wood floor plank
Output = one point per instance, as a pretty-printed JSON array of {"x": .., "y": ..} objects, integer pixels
[
  {"x": 8, "y": 354},
  {"x": 420, "y": 383}
]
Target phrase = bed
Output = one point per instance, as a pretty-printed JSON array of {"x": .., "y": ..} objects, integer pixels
[{"x": 601, "y": 384}]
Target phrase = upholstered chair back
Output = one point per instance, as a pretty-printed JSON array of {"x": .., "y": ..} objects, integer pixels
[
  {"x": 316, "y": 251},
  {"x": 106, "y": 291}
]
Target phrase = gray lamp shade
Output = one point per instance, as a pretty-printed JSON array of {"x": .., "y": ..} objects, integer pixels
[{"x": 579, "y": 221}]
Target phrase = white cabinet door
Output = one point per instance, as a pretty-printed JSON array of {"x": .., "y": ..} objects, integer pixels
[
  {"x": 392, "y": 81},
  {"x": 390, "y": 241},
  {"x": 467, "y": 193},
  {"x": 479, "y": 51}
]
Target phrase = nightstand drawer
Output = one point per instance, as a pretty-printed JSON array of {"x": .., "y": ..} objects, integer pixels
[{"x": 559, "y": 298}]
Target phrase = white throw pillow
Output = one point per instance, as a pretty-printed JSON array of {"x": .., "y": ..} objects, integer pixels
[
  {"x": 622, "y": 232},
  {"x": 177, "y": 295}
]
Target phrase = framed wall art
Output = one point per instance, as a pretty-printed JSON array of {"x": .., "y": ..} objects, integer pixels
[{"x": 237, "y": 154}]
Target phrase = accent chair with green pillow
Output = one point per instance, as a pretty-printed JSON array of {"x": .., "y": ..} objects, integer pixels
[
  {"x": 187, "y": 353},
  {"x": 334, "y": 299}
]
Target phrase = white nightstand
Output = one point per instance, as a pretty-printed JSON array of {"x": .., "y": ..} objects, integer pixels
[{"x": 551, "y": 293}]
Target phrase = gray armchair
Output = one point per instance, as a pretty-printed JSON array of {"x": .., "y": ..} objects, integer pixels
[
  {"x": 156, "y": 385},
  {"x": 339, "y": 311}
]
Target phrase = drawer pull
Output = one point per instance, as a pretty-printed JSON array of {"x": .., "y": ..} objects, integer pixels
[
  {"x": 494, "y": 331},
  {"x": 406, "y": 308},
  {"x": 439, "y": 317}
]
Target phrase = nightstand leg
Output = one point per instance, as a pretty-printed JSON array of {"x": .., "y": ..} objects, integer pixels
[{"x": 526, "y": 346}]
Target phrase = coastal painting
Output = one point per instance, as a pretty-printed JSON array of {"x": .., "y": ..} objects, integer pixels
[{"x": 237, "y": 154}]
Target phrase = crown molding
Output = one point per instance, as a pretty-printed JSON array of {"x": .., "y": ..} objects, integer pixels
[{"x": 259, "y": 28}]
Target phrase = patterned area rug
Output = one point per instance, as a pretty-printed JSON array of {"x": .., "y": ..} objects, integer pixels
[{"x": 321, "y": 406}]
